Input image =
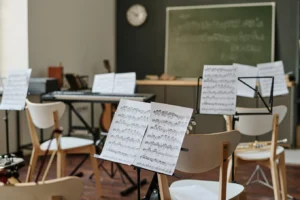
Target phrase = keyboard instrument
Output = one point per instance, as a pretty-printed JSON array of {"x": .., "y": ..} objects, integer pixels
[{"x": 87, "y": 96}]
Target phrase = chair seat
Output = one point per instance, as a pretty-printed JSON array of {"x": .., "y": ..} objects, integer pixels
[
  {"x": 66, "y": 143},
  {"x": 258, "y": 155},
  {"x": 198, "y": 190}
]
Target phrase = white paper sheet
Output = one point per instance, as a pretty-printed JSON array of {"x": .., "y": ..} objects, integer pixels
[
  {"x": 219, "y": 88},
  {"x": 15, "y": 90},
  {"x": 103, "y": 83},
  {"x": 246, "y": 71},
  {"x": 163, "y": 139},
  {"x": 191, "y": 192},
  {"x": 126, "y": 132},
  {"x": 275, "y": 69},
  {"x": 125, "y": 83}
]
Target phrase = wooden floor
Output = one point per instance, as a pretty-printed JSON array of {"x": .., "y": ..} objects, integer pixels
[{"x": 113, "y": 187}]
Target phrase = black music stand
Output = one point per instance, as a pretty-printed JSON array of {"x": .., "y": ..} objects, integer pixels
[
  {"x": 234, "y": 117},
  {"x": 154, "y": 182}
]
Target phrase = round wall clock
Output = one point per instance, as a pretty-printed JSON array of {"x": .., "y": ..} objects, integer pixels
[{"x": 136, "y": 15}]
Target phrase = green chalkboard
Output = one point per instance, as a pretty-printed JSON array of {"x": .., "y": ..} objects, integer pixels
[{"x": 218, "y": 34}]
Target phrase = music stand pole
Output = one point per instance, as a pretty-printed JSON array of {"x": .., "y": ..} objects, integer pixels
[
  {"x": 235, "y": 118},
  {"x": 7, "y": 132},
  {"x": 138, "y": 171}
]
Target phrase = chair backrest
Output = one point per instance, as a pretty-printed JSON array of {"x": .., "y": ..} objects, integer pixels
[
  {"x": 205, "y": 151},
  {"x": 67, "y": 188},
  {"x": 255, "y": 125},
  {"x": 42, "y": 113}
]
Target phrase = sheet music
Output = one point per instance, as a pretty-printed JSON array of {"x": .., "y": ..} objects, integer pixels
[
  {"x": 246, "y": 71},
  {"x": 126, "y": 132},
  {"x": 103, "y": 83},
  {"x": 124, "y": 83},
  {"x": 163, "y": 139},
  {"x": 15, "y": 90},
  {"x": 1, "y": 84},
  {"x": 219, "y": 88},
  {"x": 272, "y": 69}
]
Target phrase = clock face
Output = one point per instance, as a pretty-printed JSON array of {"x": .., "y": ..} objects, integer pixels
[{"x": 136, "y": 15}]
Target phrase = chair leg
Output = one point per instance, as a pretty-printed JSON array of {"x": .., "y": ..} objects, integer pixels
[
  {"x": 58, "y": 164},
  {"x": 282, "y": 175},
  {"x": 96, "y": 171},
  {"x": 229, "y": 169},
  {"x": 275, "y": 179},
  {"x": 63, "y": 164},
  {"x": 32, "y": 164}
]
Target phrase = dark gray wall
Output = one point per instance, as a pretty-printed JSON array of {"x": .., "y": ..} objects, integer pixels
[{"x": 142, "y": 49}]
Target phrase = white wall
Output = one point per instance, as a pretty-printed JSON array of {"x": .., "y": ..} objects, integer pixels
[
  {"x": 78, "y": 33},
  {"x": 13, "y": 35}
]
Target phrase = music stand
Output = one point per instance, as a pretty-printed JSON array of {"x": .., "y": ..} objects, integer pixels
[
  {"x": 154, "y": 183},
  {"x": 235, "y": 116}
]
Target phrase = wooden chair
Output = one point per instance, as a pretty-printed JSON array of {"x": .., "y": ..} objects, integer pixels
[
  {"x": 43, "y": 116},
  {"x": 67, "y": 188},
  {"x": 206, "y": 152},
  {"x": 256, "y": 125}
]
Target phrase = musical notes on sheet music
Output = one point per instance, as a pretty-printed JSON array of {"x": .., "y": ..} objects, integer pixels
[
  {"x": 125, "y": 83},
  {"x": 126, "y": 132},
  {"x": 246, "y": 71},
  {"x": 103, "y": 83},
  {"x": 15, "y": 90},
  {"x": 272, "y": 69},
  {"x": 219, "y": 88},
  {"x": 163, "y": 139}
]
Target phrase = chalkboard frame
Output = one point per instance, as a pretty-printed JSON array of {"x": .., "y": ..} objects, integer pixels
[{"x": 271, "y": 4}]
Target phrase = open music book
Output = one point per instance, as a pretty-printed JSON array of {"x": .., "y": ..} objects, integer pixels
[
  {"x": 147, "y": 135},
  {"x": 120, "y": 83}
]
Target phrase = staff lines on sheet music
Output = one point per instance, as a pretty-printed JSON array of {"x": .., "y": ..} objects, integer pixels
[
  {"x": 218, "y": 109},
  {"x": 127, "y": 131},
  {"x": 163, "y": 130},
  {"x": 156, "y": 160},
  {"x": 211, "y": 81},
  {"x": 168, "y": 114},
  {"x": 129, "y": 124},
  {"x": 150, "y": 150},
  {"x": 119, "y": 152},
  {"x": 134, "y": 117},
  {"x": 121, "y": 144},
  {"x": 154, "y": 168},
  {"x": 219, "y": 92},
  {"x": 214, "y": 97},
  {"x": 127, "y": 139},
  {"x": 168, "y": 122},
  {"x": 165, "y": 145},
  {"x": 219, "y": 76},
  {"x": 166, "y": 138},
  {"x": 114, "y": 158},
  {"x": 129, "y": 109},
  {"x": 218, "y": 70},
  {"x": 217, "y": 104}
]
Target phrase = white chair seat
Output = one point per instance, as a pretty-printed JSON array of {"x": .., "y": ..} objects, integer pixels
[
  {"x": 258, "y": 155},
  {"x": 66, "y": 143},
  {"x": 198, "y": 190}
]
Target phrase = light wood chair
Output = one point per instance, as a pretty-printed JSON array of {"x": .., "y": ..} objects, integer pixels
[
  {"x": 272, "y": 156},
  {"x": 67, "y": 188},
  {"x": 43, "y": 116},
  {"x": 206, "y": 152}
]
